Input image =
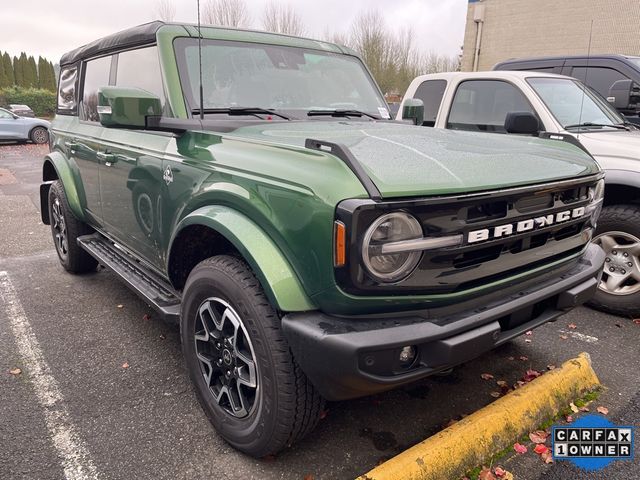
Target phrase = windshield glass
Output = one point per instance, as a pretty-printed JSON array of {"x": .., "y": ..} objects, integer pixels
[
  {"x": 573, "y": 104},
  {"x": 635, "y": 60},
  {"x": 290, "y": 79}
]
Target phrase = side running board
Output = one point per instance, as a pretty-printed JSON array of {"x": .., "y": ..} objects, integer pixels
[{"x": 148, "y": 285}]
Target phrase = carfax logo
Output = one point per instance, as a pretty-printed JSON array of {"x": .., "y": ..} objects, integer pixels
[{"x": 592, "y": 442}]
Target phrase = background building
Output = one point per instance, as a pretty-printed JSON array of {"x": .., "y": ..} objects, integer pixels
[{"x": 497, "y": 30}]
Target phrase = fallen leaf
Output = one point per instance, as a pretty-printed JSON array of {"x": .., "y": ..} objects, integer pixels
[
  {"x": 502, "y": 383},
  {"x": 539, "y": 436},
  {"x": 485, "y": 474},
  {"x": 519, "y": 448},
  {"x": 602, "y": 410},
  {"x": 547, "y": 457},
  {"x": 511, "y": 358},
  {"x": 323, "y": 414},
  {"x": 308, "y": 477},
  {"x": 146, "y": 316},
  {"x": 486, "y": 376},
  {"x": 527, "y": 340},
  {"x": 572, "y": 326},
  {"x": 523, "y": 358},
  {"x": 584, "y": 409},
  {"x": 563, "y": 337},
  {"x": 551, "y": 367},
  {"x": 528, "y": 332},
  {"x": 15, "y": 371},
  {"x": 530, "y": 375},
  {"x": 573, "y": 407},
  {"x": 569, "y": 418},
  {"x": 637, "y": 321},
  {"x": 125, "y": 365},
  {"x": 162, "y": 337},
  {"x": 507, "y": 475},
  {"x": 499, "y": 471},
  {"x": 495, "y": 394},
  {"x": 120, "y": 306},
  {"x": 541, "y": 448}
]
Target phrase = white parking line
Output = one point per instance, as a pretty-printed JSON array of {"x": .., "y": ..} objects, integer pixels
[
  {"x": 76, "y": 460},
  {"x": 580, "y": 336}
]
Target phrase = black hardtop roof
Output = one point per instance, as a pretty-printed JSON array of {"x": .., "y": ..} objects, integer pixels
[
  {"x": 567, "y": 57},
  {"x": 145, "y": 34},
  {"x": 130, "y": 37}
]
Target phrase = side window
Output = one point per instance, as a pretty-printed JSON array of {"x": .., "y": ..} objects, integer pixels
[
  {"x": 598, "y": 78},
  {"x": 68, "y": 91},
  {"x": 482, "y": 105},
  {"x": 96, "y": 75},
  {"x": 5, "y": 115},
  {"x": 141, "y": 69},
  {"x": 431, "y": 92}
]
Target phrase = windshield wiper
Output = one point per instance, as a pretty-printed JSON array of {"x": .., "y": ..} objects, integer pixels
[
  {"x": 341, "y": 113},
  {"x": 242, "y": 111},
  {"x": 619, "y": 126}
]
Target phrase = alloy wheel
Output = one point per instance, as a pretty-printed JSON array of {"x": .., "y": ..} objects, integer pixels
[
  {"x": 226, "y": 357},
  {"x": 59, "y": 229}
]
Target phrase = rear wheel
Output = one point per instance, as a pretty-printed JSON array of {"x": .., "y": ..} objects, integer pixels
[
  {"x": 618, "y": 234},
  {"x": 246, "y": 379},
  {"x": 39, "y": 135},
  {"x": 66, "y": 229}
]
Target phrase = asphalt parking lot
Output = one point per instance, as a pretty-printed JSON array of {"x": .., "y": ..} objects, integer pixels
[{"x": 125, "y": 396}]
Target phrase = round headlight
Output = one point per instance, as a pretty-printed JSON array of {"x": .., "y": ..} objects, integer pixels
[{"x": 392, "y": 227}]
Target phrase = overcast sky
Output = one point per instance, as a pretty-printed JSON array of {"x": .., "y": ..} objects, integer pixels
[{"x": 52, "y": 27}]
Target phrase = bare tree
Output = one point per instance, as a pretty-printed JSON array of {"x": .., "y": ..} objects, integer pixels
[
  {"x": 230, "y": 13},
  {"x": 165, "y": 10},
  {"x": 282, "y": 18}
]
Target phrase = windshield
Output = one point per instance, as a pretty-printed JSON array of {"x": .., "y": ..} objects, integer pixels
[
  {"x": 634, "y": 60},
  {"x": 290, "y": 79},
  {"x": 572, "y": 104}
]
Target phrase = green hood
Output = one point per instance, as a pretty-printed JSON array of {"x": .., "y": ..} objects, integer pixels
[{"x": 404, "y": 160}]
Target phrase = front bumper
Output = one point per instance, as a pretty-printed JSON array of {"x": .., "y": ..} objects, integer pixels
[{"x": 352, "y": 357}]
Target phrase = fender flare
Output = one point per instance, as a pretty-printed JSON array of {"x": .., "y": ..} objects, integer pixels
[
  {"x": 628, "y": 178},
  {"x": 66, "y": 173},
  {"x": 278, "y": 279}
]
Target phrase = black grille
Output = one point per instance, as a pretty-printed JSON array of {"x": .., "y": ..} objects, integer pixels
[{"x": 471, "y": 264}]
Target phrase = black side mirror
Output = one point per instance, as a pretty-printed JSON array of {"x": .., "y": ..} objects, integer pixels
[
  {"x": 413, "y": 109},
  {"x": 620, "y": 94},
  {"x": 521, "y": 122}
]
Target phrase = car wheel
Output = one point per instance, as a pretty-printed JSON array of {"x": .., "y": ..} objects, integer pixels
[
  {"x": 66, "y": 229},
  {"x": 618, "y": 234},
  {"x": 245, "y": 377},
  {"x": 39, "y": 135}
]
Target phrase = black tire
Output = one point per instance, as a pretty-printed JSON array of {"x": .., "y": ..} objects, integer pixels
[
  {"x": 73, "y": 258},
  {"x": 285, "y": 406},
  {"x": 617, "y": 221},
  {"x": 39, "y": 135}
]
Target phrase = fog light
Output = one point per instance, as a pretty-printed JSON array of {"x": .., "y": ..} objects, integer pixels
[{"x": 407, "y": 354}]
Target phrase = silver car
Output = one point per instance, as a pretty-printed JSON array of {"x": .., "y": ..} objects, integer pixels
[{"x": 13, "y": 127}]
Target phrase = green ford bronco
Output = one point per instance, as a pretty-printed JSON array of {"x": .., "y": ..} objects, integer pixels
[{"x": 253, "y": 188}]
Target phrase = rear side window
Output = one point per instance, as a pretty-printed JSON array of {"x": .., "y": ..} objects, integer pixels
[
  {"x": 431, "y": 92},
  {"x": 598, "y": 78},
  {"x": 482, "y": 105},
  {"x": 96, "y": 75},
  {"x": 68, "y": 91},
  {"x": 140, "y": 69}
]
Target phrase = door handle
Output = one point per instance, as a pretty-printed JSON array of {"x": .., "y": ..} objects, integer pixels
[
  {"x": 108, "y": 158},
  {"x": 71, "y": 145}
]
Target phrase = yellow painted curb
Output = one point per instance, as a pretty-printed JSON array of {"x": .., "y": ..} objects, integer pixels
[{"x": 466, "y": 444}]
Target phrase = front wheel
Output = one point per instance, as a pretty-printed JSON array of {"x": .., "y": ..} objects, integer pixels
[
  {"x": 618, "y": 234},
  {"x": 244, "y": 374},
  {"x": 39, "y": 135}
]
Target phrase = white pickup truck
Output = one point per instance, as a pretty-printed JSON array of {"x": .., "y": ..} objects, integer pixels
[{"x": 560, "y": 108}]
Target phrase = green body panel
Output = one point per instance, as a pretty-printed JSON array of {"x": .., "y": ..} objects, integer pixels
[
  {"x": 68, "y": 174},
  {"x": 274, "y": 272},
  {"x": 404, "y": 160},
  {"x": 271, "y": 197}
]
